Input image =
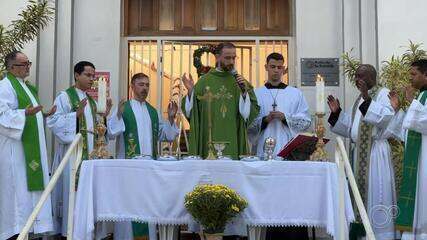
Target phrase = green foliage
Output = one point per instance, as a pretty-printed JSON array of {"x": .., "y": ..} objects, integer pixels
[
  {"x": 213, "y": 206},
  {"x": 350, "y": 65},
  {"x": 35, "y": 17},
  {"x": 395, "y": 76}
]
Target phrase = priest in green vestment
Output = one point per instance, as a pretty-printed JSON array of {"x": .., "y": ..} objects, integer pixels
[
  {"x": 233, "y": 106},
  {"x": 76, "y": 113},
  {"x": 139, "y": 129},
  {"x": 24, "y": 158},
  {"x": 410, "y": 126}
]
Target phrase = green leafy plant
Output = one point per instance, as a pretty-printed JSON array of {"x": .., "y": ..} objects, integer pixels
[
  {"x": 213, "y": 206},
  {"x": 350, "y": 65},
  {"x": 31, "y": 20}
]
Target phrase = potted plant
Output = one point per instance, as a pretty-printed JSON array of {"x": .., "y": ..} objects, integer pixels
[{"x": 213, "y": 206}]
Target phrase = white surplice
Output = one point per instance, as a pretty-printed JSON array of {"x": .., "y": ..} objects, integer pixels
[
  {"x": 64, "y": 125},
  {"x": 381, "y": 186},
  {"x": 116, "y": 127},
  {"x": 289, "y": 101},
  {"x": 16, "y": 202},
  {"x": 416, "y": 119}
]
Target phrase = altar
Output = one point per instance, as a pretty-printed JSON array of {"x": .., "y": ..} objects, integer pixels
[{"x": 279, "y": 193}]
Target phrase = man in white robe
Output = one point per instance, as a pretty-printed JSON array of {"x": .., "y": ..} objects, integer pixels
[
  {"x": 76, "y": 112},
  {"x": 372, "y": 161},
  {"x": 283, "y": 109},
  {"x": 22, "y": 180},
  {"x": 139, "y": 129},
  {"x": 167, "y": 131},
  {"x": 411, "y": 127}
]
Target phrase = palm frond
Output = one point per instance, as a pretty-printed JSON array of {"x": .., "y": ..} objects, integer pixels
[
  {"x": 31, "y": 20},
  {"x": 350, "y": 65}
]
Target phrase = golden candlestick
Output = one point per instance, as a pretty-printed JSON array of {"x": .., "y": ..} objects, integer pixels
[
  {"x": 319, "y": 154},
  {"x": 100, "y": 150},
  {"x": 208, "y": 97}
]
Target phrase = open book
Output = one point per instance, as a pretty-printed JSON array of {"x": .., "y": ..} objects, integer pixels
[{"x": 300, "y": 147}]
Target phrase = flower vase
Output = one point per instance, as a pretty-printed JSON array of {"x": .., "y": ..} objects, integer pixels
[{"x": 211, "y": 236}]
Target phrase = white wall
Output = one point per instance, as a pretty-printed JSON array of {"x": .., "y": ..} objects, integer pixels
[
  {"x": 399, "y": 21},
  {"x": 97, "y": 37},
  {"x": 9, "y": 12},
  {"x": 318, "y": 34}
]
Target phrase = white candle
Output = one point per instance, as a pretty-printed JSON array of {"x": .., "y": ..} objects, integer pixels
[
  {"x": 102, "y": 95},
  {"x": 320, "y": 94}
]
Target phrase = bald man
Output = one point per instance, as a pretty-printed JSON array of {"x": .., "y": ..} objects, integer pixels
[{"x": 366, "y": 126}]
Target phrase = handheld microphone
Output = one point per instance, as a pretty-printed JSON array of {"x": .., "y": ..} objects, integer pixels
[{"x": 235, "y": 75}]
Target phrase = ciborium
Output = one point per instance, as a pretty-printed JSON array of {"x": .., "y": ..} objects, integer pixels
[{"x": 269, "y": 145}]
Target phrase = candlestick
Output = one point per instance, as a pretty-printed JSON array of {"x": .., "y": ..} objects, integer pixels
[
  {"x": 320, "y": 94},
  {"x": 320, "y": 153},
  {"x": 102, "y": 95}
]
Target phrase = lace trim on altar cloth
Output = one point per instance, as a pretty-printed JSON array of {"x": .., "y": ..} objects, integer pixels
[
  {"x": 128, "y": 218},
  {"x": 251, "y": 223}
]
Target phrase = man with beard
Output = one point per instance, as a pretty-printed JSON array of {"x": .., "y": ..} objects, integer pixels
[
  {"x": 233, "y": 108},
  {"x": 139, "y": 129}
]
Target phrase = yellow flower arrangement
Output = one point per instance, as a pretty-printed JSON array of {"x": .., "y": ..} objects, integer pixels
[{"x": 213, "y": 205}]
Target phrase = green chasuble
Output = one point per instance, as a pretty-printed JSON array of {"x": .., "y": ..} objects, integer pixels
[{"x": 227, "y": 123}]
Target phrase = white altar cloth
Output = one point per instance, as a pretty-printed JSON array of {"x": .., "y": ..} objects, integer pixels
[{"x": 279, "y": 193}]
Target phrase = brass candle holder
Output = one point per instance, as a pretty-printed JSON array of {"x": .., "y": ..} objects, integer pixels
[
  {"x": 100, "y": 149},
  {"x": 319, "y": 154}
]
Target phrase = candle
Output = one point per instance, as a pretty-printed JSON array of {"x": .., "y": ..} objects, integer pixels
[
  {"x": 102, "y": 95},
  {"x": 320, "y": 94}
]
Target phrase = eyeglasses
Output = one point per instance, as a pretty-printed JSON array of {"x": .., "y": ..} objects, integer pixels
[{"x": 25, "y": 64}]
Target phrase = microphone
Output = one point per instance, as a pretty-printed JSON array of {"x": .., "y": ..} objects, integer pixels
[{"x": 235, "y": 75}]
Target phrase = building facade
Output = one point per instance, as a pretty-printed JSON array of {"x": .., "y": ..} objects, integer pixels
[{"x": 104, "y": 32}]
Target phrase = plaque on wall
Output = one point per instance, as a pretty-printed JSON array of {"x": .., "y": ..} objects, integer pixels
[{"x": 327, "y": 67}]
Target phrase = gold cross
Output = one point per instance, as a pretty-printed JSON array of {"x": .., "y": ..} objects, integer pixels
[
  {"x": 411, "y": 170},
  {"x": 407, "y": 199},
  {"x": 209, "y": 97}
]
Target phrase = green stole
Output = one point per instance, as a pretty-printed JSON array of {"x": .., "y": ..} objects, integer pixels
[
  {"x": 408, "y": 189},
  {"x": 30, "y": 137},
  {"x": 132, "y": 148},
  {"x": 74, "y": 101}
]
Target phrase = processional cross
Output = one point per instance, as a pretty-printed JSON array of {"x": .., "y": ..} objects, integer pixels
[{"x": 209, "y": 97}]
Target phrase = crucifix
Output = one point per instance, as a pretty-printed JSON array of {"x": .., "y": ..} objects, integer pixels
[
  {"x": 274, "y": 105},
  {"x": 208, "y": 97}
]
